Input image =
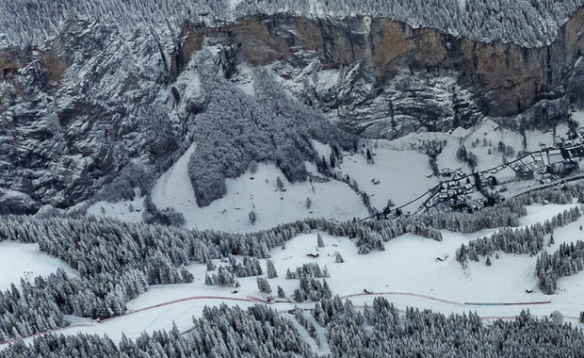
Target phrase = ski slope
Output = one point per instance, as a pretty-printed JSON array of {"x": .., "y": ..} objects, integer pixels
[{"x": 406, "y": 273}]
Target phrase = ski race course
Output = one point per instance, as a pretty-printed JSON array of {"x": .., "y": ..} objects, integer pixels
[
  {"x": 407, "y": 273},
  {"x": 215, "y": 300}
]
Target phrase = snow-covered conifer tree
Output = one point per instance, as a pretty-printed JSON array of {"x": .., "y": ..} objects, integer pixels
[{"x": 272, "y": 273}]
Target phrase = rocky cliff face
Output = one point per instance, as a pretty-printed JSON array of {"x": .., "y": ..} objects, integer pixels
[
  {"x": 74, "y": 115},
  {"x": 96, "y": 102},
  {"x": 505, "y": 79}
]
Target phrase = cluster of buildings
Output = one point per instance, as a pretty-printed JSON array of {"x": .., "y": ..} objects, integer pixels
[
  {"x": 468, "y": 192},
  {"x": 549, "y": 163},
  {"x": 464, "y": 191}
]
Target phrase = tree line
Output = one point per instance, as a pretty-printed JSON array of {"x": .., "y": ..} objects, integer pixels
[
  {"x": 528, "y": 240},
  {"x": 378, "y": 330},
  {"x": 566, "y": 261},
  {"x": 117, "y": 261}
]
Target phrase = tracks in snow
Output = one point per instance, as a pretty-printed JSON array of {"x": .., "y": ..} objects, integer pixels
[{"x": 275, "y": 302}]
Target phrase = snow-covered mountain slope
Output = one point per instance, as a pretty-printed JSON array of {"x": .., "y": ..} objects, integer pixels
[
  {"x": 257, "y": 193},
  {"x": 101, "y": 110},
  {"x": 394, "y": 175},
  {"x": 398, "y": 173},
  {"x": 78, "y": 114}
]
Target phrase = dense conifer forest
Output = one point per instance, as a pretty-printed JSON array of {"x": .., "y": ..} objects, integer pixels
[
  {"x": 377, "y": 330},
  {"x": 529, "y": 23},
  {"x": 117, "y": 261}
]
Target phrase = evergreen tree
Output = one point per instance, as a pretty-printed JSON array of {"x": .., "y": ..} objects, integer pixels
[
  {"x": 281, "y": 292},
  {"x": 369, "y": 156},
  {"x": 271, "y": 269},
  {"x": 208, "y": 280},
  {"x": 224, "y": 278},
  {"x": 263, "y": 285},
  {"x": 253, "y": 217},
  {"x": 211, "y": 266},
  {"x": 319, "y": 240}
]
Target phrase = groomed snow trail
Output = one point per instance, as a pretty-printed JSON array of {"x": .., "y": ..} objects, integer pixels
[{"x": 290, "y": 304}]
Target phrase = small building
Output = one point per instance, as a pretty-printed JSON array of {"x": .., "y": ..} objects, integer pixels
[
  {"x": 446, "y": 172},
  {"x": 457, "y": 175}
]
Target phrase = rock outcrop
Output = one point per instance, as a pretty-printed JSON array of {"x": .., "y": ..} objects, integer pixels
[
  {"x": 505, "y": 79},
  {"x": 95, "y": 102},
  {"x": 74, "y": 115}
]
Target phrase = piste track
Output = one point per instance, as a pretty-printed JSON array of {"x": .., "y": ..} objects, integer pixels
[{"x": 250, "y": 299}]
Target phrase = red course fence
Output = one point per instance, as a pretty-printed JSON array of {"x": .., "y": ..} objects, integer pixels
[{"x": 260, "y": 300}]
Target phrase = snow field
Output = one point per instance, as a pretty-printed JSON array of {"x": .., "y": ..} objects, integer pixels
[
  {"x": 406, "y": 273},
  {"x": 473, "y": 139},
  {"x": 401, "y": 175},
  {"x": 256, "y": 192},
  {"x": 26, "y": 261},
  {"x": 578, "y": 117},
  {"x": 130, "y": 211},
  {"x": 493, "y": 134},
  {"x": 407, "y": 266}
]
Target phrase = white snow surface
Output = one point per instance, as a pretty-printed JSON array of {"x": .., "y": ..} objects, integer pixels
[
  {"x": 578, "y": 117},
  {"x": 233, "y": 4},
  {"x": 406, "y": 273},
  {"x": 130, "y": 211},
  {"x": 401, "y": 175},
  {"x": 255, "y": 192},
  {"x": 26, "y": 261},
  {"x": 245, "y": 79},
  {"x": 487, "y": 132}
]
